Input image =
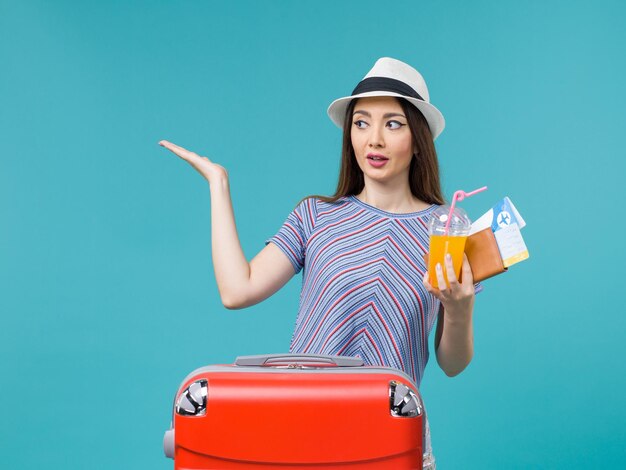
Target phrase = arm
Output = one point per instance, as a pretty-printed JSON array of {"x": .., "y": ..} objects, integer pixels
[
  {"x": 454, "y": 340},
  {"x": 240, "y": 283}
]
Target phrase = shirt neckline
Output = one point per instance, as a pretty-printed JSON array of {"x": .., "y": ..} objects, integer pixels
[{"x": 391, "y": 215}]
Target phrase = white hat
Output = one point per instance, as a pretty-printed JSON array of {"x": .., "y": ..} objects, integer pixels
[{"x": 391, "y": 77}]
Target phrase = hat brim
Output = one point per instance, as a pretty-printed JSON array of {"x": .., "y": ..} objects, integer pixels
[{"x": 434, "y": 118}]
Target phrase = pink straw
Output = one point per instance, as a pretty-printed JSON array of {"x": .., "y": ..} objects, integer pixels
[{"x": 459, "y": 196}]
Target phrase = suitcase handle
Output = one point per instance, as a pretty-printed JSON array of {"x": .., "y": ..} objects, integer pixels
[{"x": 270, "y": 359}]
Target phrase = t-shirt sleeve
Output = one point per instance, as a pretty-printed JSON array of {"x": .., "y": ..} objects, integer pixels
[{"x": 293, "y": 235}]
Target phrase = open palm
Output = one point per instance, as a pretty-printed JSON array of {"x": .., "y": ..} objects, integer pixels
[{"x": 209, "y": 170}]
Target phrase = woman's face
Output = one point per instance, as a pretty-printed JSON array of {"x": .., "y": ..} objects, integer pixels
[{"x": 382, "y": 140}]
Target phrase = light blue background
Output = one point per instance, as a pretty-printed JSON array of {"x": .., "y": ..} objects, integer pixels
[{"x": 108, "y": 297}]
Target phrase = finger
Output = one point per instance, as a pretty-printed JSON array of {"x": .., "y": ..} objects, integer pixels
[
  {"x": 452, "y": 280},
  {"x": 180, "y": 151},
  {"x": 425, "y": 281},
  {"x": 441, "y": 281},
  {"x": 170, "y": 145},
  {"x": 468, "y": 277},
  {"x": 428, "y": 286}
]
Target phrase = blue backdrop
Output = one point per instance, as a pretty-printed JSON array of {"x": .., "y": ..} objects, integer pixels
[{"x": 108, "y": 297}]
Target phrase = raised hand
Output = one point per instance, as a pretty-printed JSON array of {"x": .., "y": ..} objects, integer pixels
[
  {"x": 212, "y": 172},
  {"x": 240, "y": 283}
]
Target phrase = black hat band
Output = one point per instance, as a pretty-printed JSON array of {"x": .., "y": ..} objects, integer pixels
[{"x": 385, "y": 84}]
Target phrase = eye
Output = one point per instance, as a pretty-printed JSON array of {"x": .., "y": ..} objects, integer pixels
[
  {"x": 395, "y": 124},
  {"x": 360, "y": 124}
]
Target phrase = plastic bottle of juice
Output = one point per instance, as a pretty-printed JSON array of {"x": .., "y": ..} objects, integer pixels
[{"x": 441, "y": 243}]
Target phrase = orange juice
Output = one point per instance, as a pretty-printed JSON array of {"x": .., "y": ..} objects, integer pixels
[{"x": 440, "y": 245}]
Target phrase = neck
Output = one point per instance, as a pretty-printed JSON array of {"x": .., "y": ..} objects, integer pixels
[{"x": 395, "y": 200}]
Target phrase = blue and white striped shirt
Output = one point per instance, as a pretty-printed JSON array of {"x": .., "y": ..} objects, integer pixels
[{"x": 362, "y": 293}]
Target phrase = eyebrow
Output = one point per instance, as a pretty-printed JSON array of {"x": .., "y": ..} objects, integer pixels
[{"x": 388, "y": 115}]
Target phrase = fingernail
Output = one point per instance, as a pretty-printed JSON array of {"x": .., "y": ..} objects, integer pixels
[
  {"x": 438, "y": 267},
  {"x": 448, "y": 256}
]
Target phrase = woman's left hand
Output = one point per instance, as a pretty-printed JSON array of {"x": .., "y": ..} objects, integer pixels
[{"x": 457, "y": 297}]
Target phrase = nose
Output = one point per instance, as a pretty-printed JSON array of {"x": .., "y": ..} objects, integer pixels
[{"x": 376, "y": 139}]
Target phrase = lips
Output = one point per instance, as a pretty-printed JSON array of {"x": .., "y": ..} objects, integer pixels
[
  {"x": 376, "y": 160},
  {"x": 377, "y": 157}
]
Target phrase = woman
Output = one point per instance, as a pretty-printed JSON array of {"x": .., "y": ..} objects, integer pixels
[{"x": 365, "y": 288}]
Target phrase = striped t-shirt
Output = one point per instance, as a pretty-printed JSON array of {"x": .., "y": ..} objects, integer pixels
[{"x": 362, "y": 293}]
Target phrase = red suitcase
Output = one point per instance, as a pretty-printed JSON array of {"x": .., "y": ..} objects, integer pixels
[{"x": 294, "y": 411}]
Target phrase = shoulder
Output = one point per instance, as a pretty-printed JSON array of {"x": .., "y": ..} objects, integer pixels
[
  {"x": 331, "y": 210},
  {"x": 318, "y": 205},
  {"x": 314, "y": 209}
]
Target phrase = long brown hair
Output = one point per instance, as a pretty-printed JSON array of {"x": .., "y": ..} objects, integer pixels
[{"x": 424, "y": 179}]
